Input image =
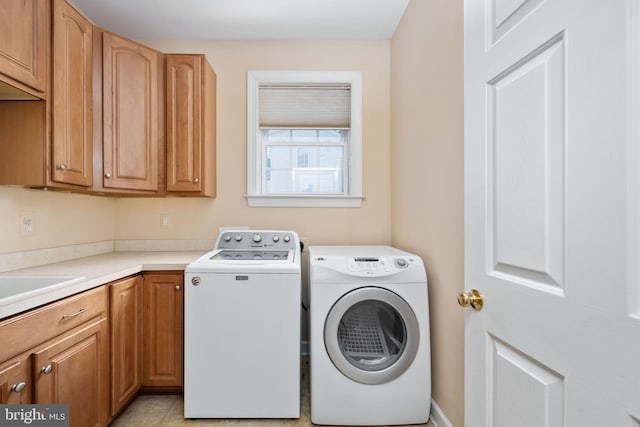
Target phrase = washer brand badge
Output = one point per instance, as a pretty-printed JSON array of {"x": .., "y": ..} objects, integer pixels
[
  {"x": 242, "y": 277},
  {"x": 34, "y": 415}
]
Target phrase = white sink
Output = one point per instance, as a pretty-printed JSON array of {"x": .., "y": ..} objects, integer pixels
[{"x": 14, "y": 286}]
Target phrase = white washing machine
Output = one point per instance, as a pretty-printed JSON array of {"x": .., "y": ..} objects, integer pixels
[
  {"x": 370, "y": 353},
  {"x": 242, "y": 327}
]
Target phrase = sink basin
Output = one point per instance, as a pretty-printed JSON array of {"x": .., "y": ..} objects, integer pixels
[{"x": 11, "y": 286}]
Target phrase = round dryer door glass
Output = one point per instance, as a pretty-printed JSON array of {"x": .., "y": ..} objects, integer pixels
[{"x": 371, "y": 335}]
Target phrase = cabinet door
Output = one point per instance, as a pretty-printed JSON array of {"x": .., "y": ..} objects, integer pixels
[
  {"x": 73, "y": 370},
  {"x": 191, "y": 125},
  {"x": 72, "y": 116},
  {"x": 23, "y": 41},
  {"x": 184, "y": 117},
  {"x": 15, "y": 380},
  {"x": 163, "y": 330},
  {"x": 126, "y": 341},
  {"x": 130, "y": 114}
]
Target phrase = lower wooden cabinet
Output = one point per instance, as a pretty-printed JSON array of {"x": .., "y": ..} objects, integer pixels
[
  {"x": 73, "y": 369},
  {"x": 94, "y": 353},
  {"x": 15, "y": 380},
  {"x": 59, "y": 354},
  {"x": 163, "y": 330},
  {"x": 125, "y": 302}
]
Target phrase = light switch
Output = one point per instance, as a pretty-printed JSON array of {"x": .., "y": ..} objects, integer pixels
[{"x": 165, "y": 220}]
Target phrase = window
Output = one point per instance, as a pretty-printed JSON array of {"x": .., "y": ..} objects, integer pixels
[{"x": 304, "y": 138}]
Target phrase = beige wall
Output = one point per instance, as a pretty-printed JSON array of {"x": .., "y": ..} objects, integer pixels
[
  {"x": 413, "y": 187},
  {"x": 60, "y": 219},
  {"x": 427, "y": 175},
  {"x": 64, "y": 219},
  {"x": 200, "y": 219}
]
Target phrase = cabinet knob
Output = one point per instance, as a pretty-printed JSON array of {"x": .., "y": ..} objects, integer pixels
[
  {"x": 178, "y": 287},
  {"x": 107, "y": 175},
  {"x": 196, "y": 180},
  {"x": 18, "y": 387},
  {"x": 61, "y": 166},
  {"x": 46, "y": 369}
]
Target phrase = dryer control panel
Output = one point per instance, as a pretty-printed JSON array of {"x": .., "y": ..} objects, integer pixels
[
  {"x": 377, "y": 266},
  {"x": 364, "y": 264}
]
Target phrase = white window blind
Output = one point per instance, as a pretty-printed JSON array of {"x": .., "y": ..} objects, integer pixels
[
  {"x": 305, "y": 106},
  {"x": 304, "y": 138}
]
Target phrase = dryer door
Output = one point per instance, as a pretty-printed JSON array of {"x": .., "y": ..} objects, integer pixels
[{"x": 371, "y": 335}]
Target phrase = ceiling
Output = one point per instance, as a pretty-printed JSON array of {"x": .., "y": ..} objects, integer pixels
[{"x": 247, "y": 19}]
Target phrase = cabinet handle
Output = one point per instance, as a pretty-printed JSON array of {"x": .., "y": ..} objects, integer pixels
[
  {"x": 19, "y": 387},
  {"x": 61, "y": 166},
  {"x": 77, "y": 313},
  {"x": 177, "y": 287},
  {"x": 196, "y": 180},
  {"x": 107, "y": 175},
  {"x": 46, "y": 369}
]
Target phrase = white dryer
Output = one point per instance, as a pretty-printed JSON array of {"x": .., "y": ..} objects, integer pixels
[{"x": 370, "y": 353}]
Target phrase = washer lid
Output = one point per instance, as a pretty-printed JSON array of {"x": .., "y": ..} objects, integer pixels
[{"x": 211, "y": 262}]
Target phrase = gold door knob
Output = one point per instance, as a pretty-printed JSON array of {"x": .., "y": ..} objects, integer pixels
[{"x": 473, "y": 299}]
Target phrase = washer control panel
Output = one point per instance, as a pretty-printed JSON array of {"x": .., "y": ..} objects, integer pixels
[{"x": 248, "y": 239}]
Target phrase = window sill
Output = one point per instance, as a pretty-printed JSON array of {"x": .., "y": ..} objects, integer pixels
[{"x": 300, "y": 201}]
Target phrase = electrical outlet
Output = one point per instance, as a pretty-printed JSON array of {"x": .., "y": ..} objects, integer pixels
[{"x": 27, "y": 223}]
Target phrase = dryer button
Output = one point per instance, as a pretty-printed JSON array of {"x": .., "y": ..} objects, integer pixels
[{"x": 401, "y": 262}]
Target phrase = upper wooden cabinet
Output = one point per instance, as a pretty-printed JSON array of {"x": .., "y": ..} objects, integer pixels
[
  {"x": 24, "y": 37},
  {"x": 85, "y": 110},
  {"x": 130, "y": 77},
  {"x": 191, "y": 125},
  {"x": 47, "y": 143},
  {"x": 71, "y": 113}
]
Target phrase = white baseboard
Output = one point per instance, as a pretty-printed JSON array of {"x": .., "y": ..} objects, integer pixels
[{"x": 437, "y": 417}]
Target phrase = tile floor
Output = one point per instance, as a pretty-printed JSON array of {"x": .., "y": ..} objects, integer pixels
[{"x": 150, "y": 410}]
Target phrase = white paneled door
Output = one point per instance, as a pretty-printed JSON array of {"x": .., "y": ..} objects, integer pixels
[{"x": 552, "y": 213}]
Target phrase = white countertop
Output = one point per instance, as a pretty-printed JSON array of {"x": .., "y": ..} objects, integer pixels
[{"x": 94, "y": 271}]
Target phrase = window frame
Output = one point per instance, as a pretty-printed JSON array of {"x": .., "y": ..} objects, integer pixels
[{"x": 256, "y": 196}]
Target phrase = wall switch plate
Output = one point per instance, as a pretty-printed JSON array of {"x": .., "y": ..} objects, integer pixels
[
  {"x": 165, "y": 220},
  {"x": 27, "y": 223}
]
